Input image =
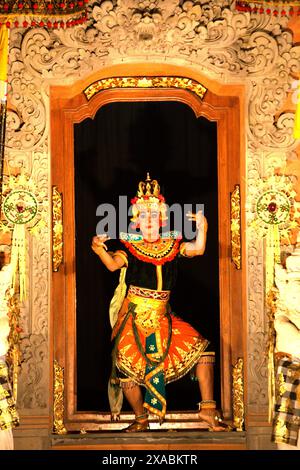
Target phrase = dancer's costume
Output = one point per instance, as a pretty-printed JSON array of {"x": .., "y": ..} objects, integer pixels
[{"x": 153, "y": 346}]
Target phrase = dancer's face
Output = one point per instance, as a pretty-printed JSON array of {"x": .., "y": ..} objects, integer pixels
[{"x": 149, "y": 223}]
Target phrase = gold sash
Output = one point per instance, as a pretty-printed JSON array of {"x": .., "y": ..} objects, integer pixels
[{"x": 150, "y": 307}]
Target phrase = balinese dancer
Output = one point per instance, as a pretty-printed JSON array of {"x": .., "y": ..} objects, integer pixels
[{"x": 153, "y": 346}]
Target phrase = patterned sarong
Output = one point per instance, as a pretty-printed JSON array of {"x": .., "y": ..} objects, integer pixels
[
  {"x": 286, "y": 420},
  {"x": 8, "y": 414},
  {"x": 153, "y": 346}
]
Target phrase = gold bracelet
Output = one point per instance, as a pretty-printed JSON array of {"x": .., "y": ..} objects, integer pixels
[
  {"x": 207, "y": 358},
  {"x": 207, "y": 405},
  {"x": 182, "y": 251}
]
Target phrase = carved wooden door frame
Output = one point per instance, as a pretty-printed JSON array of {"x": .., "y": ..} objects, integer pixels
[{"x": 72, "y": 104}]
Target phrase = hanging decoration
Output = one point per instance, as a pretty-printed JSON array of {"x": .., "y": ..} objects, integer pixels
[
  {"x": 42, "y": 13},
  {"x": 4, "y": 37},
  {"x": 275, "y": 214},
  {"x": 23, "y": 208},
  {"x": 13, "y": 355},
  {"x": 276, "y": 8}
]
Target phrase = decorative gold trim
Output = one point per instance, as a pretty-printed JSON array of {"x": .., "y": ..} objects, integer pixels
[
  {"x": 58, "y": 407},
  {"x": 159, "y": 277},
  {"x": 57, "y": 229},
  {"x": 235, "y": 226},
  {"x": 145, "y": 82},
  {"x": 238, "y": 395}
]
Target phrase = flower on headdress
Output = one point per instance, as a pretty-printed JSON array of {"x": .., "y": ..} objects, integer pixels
[{"x": 133, "y": 200}]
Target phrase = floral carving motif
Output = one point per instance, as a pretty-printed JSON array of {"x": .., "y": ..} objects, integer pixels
[{"x": 33, "y": 382}]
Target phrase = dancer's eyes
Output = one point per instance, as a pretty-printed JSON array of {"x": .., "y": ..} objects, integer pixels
[{"x": 153, "y": 215}]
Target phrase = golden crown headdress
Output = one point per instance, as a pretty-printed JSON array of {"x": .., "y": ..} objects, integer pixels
[
  {"x": 148, "y": 190},
  {"x": 148, "y": 187},
  {"x": 148, "y": 194}
]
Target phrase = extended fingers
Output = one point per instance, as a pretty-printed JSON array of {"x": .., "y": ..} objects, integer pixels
[
  {"x": 190, "y": 215},
  {"x": 99, "y": 240},
  {"x": 103, "y": 237}
]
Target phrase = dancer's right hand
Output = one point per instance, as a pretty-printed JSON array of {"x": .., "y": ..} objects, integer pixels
[{"x": 99, "y": 241}]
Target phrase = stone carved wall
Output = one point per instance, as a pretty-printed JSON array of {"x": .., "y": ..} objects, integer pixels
[{"x": 227, "y": 46}]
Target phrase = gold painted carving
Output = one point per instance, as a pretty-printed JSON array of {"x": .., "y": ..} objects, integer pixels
[
  {"x": 57, "y": 229},
  {"x": 145, "y": 82},
  {"x": 238, "y": 395},
  {"x": 236, "y": 227},
  {"x": 58, "y": 408}
]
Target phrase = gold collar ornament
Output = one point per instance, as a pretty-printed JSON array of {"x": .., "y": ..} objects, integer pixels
[
  {"x": 158, "y": 253},
  {"x": 23, "y": 207}
]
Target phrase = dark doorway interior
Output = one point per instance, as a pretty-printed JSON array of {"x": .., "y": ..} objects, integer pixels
[{"x": 113, "y": 152}]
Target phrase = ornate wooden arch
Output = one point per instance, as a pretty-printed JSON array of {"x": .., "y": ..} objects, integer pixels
[{"x": 69, "y": 105}]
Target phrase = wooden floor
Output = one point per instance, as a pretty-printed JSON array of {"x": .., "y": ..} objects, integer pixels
[{"x": 151, "y": 440}]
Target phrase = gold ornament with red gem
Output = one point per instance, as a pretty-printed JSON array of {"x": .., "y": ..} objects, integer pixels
[
  {"x": 274, "y": 217},
  {"x": 24, "y": 208}
]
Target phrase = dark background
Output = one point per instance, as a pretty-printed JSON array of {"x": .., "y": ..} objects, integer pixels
[{"x": 113, "y": 152}]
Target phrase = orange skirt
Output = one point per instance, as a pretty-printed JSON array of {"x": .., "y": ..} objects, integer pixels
[{"x": 185, "y": 350}]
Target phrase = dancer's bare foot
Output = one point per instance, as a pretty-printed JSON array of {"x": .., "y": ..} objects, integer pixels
[
  {"x": 140, "y": 424},
  {"x": 213, "y": 419}
]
